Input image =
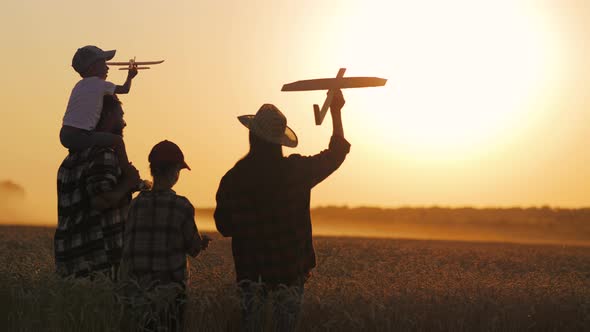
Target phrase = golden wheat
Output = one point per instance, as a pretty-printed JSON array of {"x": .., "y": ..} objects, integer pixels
[{"x": 359, "y": 285}]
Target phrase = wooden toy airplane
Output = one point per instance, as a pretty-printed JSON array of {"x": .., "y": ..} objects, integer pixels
[
  {"x": 332, "y": 84},
  {"x": 132, "y": 63}
]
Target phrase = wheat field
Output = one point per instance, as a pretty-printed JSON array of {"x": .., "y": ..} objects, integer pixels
[{"x": 360, "y": 284}]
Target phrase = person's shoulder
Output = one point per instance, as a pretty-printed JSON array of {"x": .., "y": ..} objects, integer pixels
[
  {"x": 86, "y": 81},
  {"x": 293, "y": 159},
  {"x": 184, "y": 204},
  {"x": 74, "y": 159},
  {"x": 91, "y": 82},
  {"x": 102, "y": 155},
  {"x": 92, "y": 79},
  {"x": 80, "y": 155},
  {"x": 294, "y": 156},
  {"x": 142, "y": 196},
  {"x": 101, "y": 151},
  {"x": 183, "y": 201},
  {"x": 236, "y": 169},
  {"x": 140, "y": 200}
]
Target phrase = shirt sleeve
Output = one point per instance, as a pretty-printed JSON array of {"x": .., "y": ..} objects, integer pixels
[
  {"x": 312, "y": 170},
  {"x": 103, "y": 173},
  {"x": 109, "y": 88},
  {"x": 223, "y": 212},
  {"x": 192, "y": 239}
]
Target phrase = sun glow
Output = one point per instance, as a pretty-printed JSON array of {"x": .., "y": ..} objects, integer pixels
[{"x": 462, "y": 75}]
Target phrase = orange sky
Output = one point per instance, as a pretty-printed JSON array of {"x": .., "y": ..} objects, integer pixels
[{"x": 486, "y": 103}]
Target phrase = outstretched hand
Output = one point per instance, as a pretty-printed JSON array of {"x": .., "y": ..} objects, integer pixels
[
  {"x": 205, "y": 239},
  {"x": 132, "y": 72},
  {"x": 337, "y": 101}
]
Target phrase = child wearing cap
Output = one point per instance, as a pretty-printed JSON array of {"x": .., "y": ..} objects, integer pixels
[
  {"x": 160, "y": 229},
  {"x": 85, "y": 103}
]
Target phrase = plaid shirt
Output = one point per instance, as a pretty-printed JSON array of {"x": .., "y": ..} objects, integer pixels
[
  {"x": 87, "y": 240},
  {"x": 266, "y": 212},
  {"x": 160, "y": 232}
]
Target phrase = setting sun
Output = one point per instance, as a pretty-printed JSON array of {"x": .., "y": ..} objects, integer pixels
[{"x": 463, "y": 76}]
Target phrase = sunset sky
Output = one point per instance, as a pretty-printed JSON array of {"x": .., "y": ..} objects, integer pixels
[{"x": 486, "y": 104}]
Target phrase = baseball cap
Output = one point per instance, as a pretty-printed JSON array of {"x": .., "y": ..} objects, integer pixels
[
  {"x": 167, "y": 153},
  {"x": 87, "y": 55}
]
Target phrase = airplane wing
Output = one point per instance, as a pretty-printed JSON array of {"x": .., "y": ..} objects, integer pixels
[
  {"x": 334, "y": 83},
  {"x": 139, "y": 63},
  {"x": 148, "y": 62}
]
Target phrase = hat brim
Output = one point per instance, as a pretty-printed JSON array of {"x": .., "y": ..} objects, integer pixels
[
  {"x": 108, "y": 55},
  {"x": 289, "y": 138},
  {"x": 164, "y": 163}
]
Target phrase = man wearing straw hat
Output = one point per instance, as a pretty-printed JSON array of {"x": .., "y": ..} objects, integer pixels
[{"x": 263, "y": 204}]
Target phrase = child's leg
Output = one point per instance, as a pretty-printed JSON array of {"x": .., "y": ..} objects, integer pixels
[
  {"x": 74, "y": 138},
  {"x": 79, "y": 139}
]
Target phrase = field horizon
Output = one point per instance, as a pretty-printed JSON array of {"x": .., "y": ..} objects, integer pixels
[{"x": 542, "y": 225}]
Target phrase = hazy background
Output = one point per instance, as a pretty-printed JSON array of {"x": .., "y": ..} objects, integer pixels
[{"x": 486, "y": 103}]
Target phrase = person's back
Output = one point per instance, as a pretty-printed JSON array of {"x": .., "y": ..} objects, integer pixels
[
  {"x": 271, "y": 221},
  {"x": 263, "y": 204},
  {"x": 159, "y": 233},
  {"x": 81, "y": 244}
]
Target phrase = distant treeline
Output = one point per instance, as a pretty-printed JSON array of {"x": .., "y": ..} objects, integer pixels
[{"x": 509, "y": 216}]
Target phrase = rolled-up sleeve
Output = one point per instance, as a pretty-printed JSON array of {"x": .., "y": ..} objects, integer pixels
[
  {"x": 314, "y": 169},
  {"x": 192, "y": 239},
  {"x": 103, "y": 174}
]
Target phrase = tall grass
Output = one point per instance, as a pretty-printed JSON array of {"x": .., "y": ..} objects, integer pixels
[{"x": 359, "y": 285}]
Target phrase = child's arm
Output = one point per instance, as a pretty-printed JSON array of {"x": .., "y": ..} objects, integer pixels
[{"x": 122, "y": 89}]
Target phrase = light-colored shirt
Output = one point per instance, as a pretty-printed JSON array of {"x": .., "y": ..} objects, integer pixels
[{"x": 85, "y": 102}]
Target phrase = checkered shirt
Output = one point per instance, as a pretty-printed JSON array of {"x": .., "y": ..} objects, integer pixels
[
  {"x": 159, "y": 233},
  {"x": 87, "y": 240},
  {"x": 265, "y": 209}
]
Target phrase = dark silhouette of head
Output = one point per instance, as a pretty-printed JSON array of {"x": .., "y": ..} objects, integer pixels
[
  {"x": 97, "y": 69},
  {"x": 90, "y": 61},
  {"x": 166, "y": 160},
  {"x": 262, "y": 149},
  {"x": 111, "y": 118},
  {"x": 268, "y": 132}
]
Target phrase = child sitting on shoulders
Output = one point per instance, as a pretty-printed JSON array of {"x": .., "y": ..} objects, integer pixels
[{"x": 85, "y": 103}]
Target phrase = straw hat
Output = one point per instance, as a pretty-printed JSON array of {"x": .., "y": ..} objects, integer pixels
[{"x": 270, "y": 125}]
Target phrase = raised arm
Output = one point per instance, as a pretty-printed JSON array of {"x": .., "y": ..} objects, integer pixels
[
  {"x": 314, "y": 169},
  {"x": 123, "y": 89},
  {"x": 335, "y": 110}
]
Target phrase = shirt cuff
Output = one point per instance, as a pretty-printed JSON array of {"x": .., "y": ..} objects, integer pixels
[{"x": 340, "y": 144}]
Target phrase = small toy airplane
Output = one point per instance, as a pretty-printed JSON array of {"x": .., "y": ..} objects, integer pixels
[
  {"x": 132, "y": 63},
  {"x": 332, "y": 84}
]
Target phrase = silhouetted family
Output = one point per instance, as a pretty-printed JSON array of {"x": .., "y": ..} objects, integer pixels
[{"x": 263, "y": 202}]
